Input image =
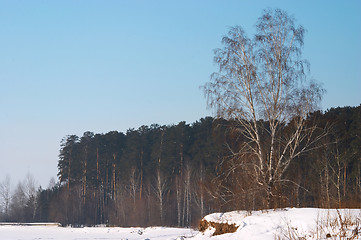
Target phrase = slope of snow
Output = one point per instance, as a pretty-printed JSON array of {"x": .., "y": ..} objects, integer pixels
[{"x": 302, "y": 222}]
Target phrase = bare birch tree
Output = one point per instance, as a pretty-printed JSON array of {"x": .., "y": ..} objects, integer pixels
[
  {"x": 178, "y": 190},
  {"x": 263, "y": 85},
  {"x": 5, "y": 196},
  {"x": 160, "y": 190},
  {"x": 187, "y": 195},
  {"x": 133, "y": 183},
  {"x": 30, "y": 189}
]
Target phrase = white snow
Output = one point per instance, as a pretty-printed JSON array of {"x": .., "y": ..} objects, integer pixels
[
  {"x": 92, "y": 233},
  {"x": 305, "y": 223},
  {"x": 265, "y": 225},
  {"x": 235, "y": 217}
]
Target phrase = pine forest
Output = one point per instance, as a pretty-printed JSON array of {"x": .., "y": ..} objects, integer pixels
[{"x": 174, "y": 175}]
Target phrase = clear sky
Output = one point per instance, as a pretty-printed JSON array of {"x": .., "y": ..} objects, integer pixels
[{"x": 67, "y": 67}]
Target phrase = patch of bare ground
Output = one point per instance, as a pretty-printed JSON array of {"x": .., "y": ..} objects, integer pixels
[{"x": 220, "y": 228}]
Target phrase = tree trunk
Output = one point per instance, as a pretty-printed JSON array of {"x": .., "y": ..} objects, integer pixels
[
  {"x": 201, "y": 191},
  {"x": 160, "y": 191},
  {"x": 141, "y": 175},
  {"x": 114, "y": 177},
  {"x": 187, "y": 196},
  {"x": 178, "y": 189}
]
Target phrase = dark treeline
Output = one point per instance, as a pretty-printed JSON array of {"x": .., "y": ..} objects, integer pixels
[
  {"x": 152, "y": 175},
  {"x": 174, "y": 175}
]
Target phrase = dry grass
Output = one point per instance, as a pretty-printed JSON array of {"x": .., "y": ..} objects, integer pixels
[
  {"x": 220, "y": 228},
  {"x": 343, "y": 226}
]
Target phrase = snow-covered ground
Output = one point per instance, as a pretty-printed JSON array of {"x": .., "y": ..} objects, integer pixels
[
  {"x": 289, "y": 223},
  {"x": 302, "y": 223},
  {"x": 98, "y": 233}
]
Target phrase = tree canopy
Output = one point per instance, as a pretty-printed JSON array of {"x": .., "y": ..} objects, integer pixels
[{"x": 262, "y": 84}]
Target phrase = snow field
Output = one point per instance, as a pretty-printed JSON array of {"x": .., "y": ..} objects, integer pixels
[
  {"x": 91, "y": 233},
  {"x": 301, "y": 223}
]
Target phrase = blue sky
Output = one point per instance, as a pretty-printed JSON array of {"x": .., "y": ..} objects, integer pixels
[{"x": 67, "y": 67}]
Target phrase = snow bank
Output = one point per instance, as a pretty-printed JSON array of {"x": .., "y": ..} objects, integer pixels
[
  {"x": 304, "y": 223},
  {"x": 234, "y": 217},
  {"x": 220, "y": 223}
]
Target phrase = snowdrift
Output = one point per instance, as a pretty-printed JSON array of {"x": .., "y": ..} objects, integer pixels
[{"x": 289, "y": 223}]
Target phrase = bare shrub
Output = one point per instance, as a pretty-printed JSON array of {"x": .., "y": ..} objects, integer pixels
[
  {"x": 342, "y": 226},
  {"x": 289, "y": 233}
]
